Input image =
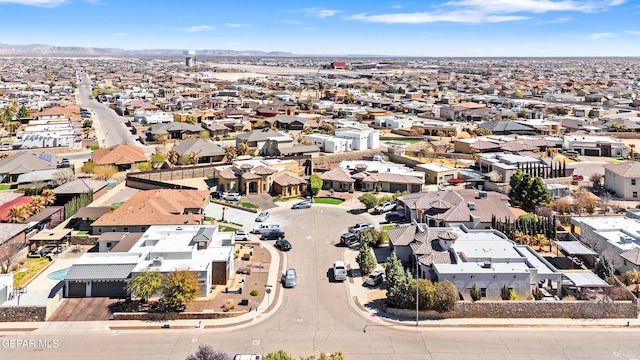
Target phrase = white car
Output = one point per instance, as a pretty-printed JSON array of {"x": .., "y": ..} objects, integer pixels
[
  {"x": 339, "y": 271},
  {"x": 264, "y": 227},
  {"x": 359, "y": 227},
  {"x": 242, "y": 235},
  {"x": 384, "y": 207},
  {"x": 262, "y": 216},
  {"x": 231, "y": 196}
]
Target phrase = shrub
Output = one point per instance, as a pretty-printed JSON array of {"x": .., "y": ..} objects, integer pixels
[
  {"x": 254, "y": 293},
  {"x": 351, "y": 191},
  {"x": 505, "y": 293},
  {"x": 476, "y": 295}
]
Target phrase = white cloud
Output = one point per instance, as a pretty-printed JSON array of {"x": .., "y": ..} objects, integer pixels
[
  {"x": 561, "y": 19},
  {"x": 490, "y": 11},
  {"x": 321, "y": 13},
  {"x": 633, "y": 32},
  {"x": 41, "y": 3},
  {"x": 236, "y": 25},
  {"x": 603, "y": 35},
  {"x": 199, "y": 28}
]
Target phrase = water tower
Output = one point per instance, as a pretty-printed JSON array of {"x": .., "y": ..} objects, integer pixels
[{"x": 190, "y": 57}]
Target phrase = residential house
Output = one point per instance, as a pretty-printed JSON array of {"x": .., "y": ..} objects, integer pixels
[
  {"x": 338, "y": 179},
  {"x": 329, "y": 144},
  {"x": 206, "y": 151},
  {"x": 146, "y": 117},
  {"x": 362, "y": 138},
  {"x": 174, "y": 130},
  {"x": 394, "y": 122},
  {"x": 436, "y": 173},
  {"x": 154, "y": 207},
  {"x": 623, "y": 179},
  {"x": 23, "y": 162},
  {"x": 590, "y": 145},
  {"x": 289, "y": 122},
  {"x": 257, "y": 175},
  {"x": 470, "y": 207},
  {"x": 67, "y": 191},
  {"x": 198, "y": 248},
  {"x": 123, "y": 156},
  {"x": 506, "y": 127}
]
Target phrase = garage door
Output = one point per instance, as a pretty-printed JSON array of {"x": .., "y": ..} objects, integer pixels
[
  {"x": 398, "y": 187},
  {"x": 591, "y": 152},
  {"x": 108, "y": 289},
  {"x": 77, "y": 289}
]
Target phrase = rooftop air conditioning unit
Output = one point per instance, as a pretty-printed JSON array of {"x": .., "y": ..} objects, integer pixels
[
  {"x": 471, "y": 205},
  {"x": 157, "y": 261},
  {"x": 486, "y": 265}
]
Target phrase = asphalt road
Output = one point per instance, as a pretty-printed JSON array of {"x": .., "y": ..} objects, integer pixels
[
  {"x": 317, "y": 316},
  {"x": 110, "y": 128}
]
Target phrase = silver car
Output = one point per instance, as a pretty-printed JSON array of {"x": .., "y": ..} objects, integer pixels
[{"x": 289, "y": 278}]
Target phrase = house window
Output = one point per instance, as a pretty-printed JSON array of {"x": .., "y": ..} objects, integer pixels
[
  {"x": 125, "y": 229},
  {"x": 633, "y": 181},
  {"x": 635, "y": 194},
  {"x": 144, "y": 228},
  {"x": 483, "y": 292},
  {"x": 109, "y": 245},
  {"x": 472, "y": 276}
]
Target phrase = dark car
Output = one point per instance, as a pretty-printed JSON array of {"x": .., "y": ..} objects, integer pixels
[
  {"x": 394, "y": 216},
  {"x": 302, "y": 205},
  {"x": 272, "y": 235},
  {"x": 283, "y": 245},
  {"x": 216, "y": 194}
]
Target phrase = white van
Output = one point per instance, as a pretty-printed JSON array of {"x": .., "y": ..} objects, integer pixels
[
  {"x": 339, "y": 271},
  {"x": 247, "y": 357}
]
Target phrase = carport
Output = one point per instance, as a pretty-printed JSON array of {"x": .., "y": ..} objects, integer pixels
[
  {"x": 574, "y": 250},
  {"x": 52, "y": 237}
]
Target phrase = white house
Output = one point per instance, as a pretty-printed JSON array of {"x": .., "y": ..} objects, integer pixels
[
  {"x": 363, "y": 139},
  {"x": 330, "y": 144},
  {"x": 199, "y": 248},
  {"x": 147, "y": 117},
  {"x": 6, "y": 287},
  {"x": 394, "y": 122},
  {"x": 590, "y": 145},
  {"x": 623, "y": 179}
]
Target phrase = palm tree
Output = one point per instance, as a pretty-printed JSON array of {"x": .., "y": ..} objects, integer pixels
[
  {"x": 230, "y": 153},
  {"x": 173, "y": 157},
  {"x": 634, "y": 277},
  {"x": 632, "y": 146},
  {"x": 194, "y": 155},
  {"x": 18, "y": 214},
  {"x": 49, "y": 196},
  {"x": 37, "y": 204}
]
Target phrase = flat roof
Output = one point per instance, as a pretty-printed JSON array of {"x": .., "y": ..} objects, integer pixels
[
  {"x": 574, "y": 248},
  {"x": 50, "y": 235},
  {"x": 584, "y": 279}
]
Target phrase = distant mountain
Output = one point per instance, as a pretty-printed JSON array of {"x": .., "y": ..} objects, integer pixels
[{"x": 50, "y": 50}]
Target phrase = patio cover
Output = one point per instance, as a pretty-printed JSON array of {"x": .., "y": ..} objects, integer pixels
[
  {"x": 51, "y": 235},
  {"x": 584, "y": 279},
  {"x": 574, "y": 248}
]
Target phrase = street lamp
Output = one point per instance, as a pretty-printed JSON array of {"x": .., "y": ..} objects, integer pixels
[
  {"x": 268, "y": 291},
  {"x": 417, "y": 292}
]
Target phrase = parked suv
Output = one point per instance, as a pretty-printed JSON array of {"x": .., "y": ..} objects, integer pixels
[
  {"x": 216, "y": 194},
  {"x": 348, "y": 239},
  {"x": 394, "y": 216},
  {"x": 375, "y": 278},
  {"x": 339, "y": 271},
  {"x": 272, "y": 235},
  {"x": 290, "y": 278},
  {"x": 359, "y": 227},
  {"x": 384, "y": 206},
  {"x": 231, "y": 196}
]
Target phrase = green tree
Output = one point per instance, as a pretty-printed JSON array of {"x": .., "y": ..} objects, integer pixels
[
  {"x": 23, "y": 112},
  {"x": 603, "y": 267},
  {"x": 180, "y": 288},
  {"x": 278, "y": 355},
  {"x": 191, "y": 120},
  {"x": 446, "y": 296},
  {"x": 398, "y": 283},
  {"x": 365, "y": 259},
  {"x": 8, "y": 114},
  {"x": 368, "y": 200},
  {"x": 315, "y": 183},
  {"x": 230, "y": 153},
  {"x": 88, "y": 167},
  {"x": 145, "y": 166},
  {"x": 528, "y": 192},
  {"x": 145, "y": 284},
  {"x": 475, "y": 293},
  {"x": 537, "y": 194},
  {"x": 158, "y": 159},
  {"x": 184, "y": 159},
  {"x": 519, "y": 94},
  {"x": 205, "y": 134}
]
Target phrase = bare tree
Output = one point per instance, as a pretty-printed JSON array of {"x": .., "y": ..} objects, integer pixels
[
  {"x": 605, "y": 199},
  {"x": 206, "y": 352},
  {"x": 8, "y": 251},
  {"x": 63, "y": 176}
]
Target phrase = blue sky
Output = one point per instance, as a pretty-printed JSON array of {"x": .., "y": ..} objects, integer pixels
[{"x": 399, "y": 28}]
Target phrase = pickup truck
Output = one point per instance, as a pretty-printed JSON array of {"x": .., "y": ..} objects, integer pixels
[
  {"x": 384, "y": 206},
  {"x": 264, "y": 227},
  {"x": 359, "y": 227}
]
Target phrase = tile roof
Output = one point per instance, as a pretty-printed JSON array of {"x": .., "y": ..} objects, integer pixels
[
  {"x": 23, "y": 162},
  {"x": 288, "y": 179},
  {"x": 118, "y": 155},
  {"x": 632, "y": 255},
  {"x": 402, "y": 235},
  {"x": 80, "y": 185},
  {"x": 200, "y": 146},
  {"x": 8, "y": 231},
  {"x": 337, "y": 174},
  {"x": 157, "y": 207},
  {"x": 4, "y": 208}
]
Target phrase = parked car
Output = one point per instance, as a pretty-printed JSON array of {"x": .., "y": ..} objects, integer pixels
[
  {"x": 384, "y": 206},
  {"x": 394, "y": 216},
  {"x": 242, "y": 235},
  {"x": 339, "y": 271},
  {"x": 375, "y": 277},
  {"x": 264, "y": 227},
  {"x": 262, "y": 216},
  {"x": 283, "y": 245},
  {"x": 272, "y": 235},
  {"x": 247, "y": 357},
  {"x": 302, "y": 205},
  {"x": 349, "y": 239},
  {"x": 64, "y": 163},
  {"x": 577, "y": 177},
  {"x": 360, "y": 226},
  {"x": 231, "y": 196},
  {"x": 290, "y": 278},
  {"x": 216, "y": 194}
]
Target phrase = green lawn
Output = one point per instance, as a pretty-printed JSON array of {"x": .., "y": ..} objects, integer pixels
[
  {"x": 387, "y": 227},
  {"x": 82, "y": 232},
  {"x": 31, "y": 268},
  {"x": 5, "y": 187},
  {"x": 326, "y": 200},
  {"x": 231, "y": 138},
  {"x": 249, "y": 205},
  {"x": 410, "y": 141},
  {"x": 224, "y": 228}
]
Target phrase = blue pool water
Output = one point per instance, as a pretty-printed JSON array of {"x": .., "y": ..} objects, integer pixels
[
  {"x": 58, "y": 275},
  {"x": 469, "y": 174}
]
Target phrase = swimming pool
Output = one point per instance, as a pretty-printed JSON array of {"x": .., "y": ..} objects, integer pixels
[
  {"x": 58, "y": 275},
  {"x": 469, "y": 174}
]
